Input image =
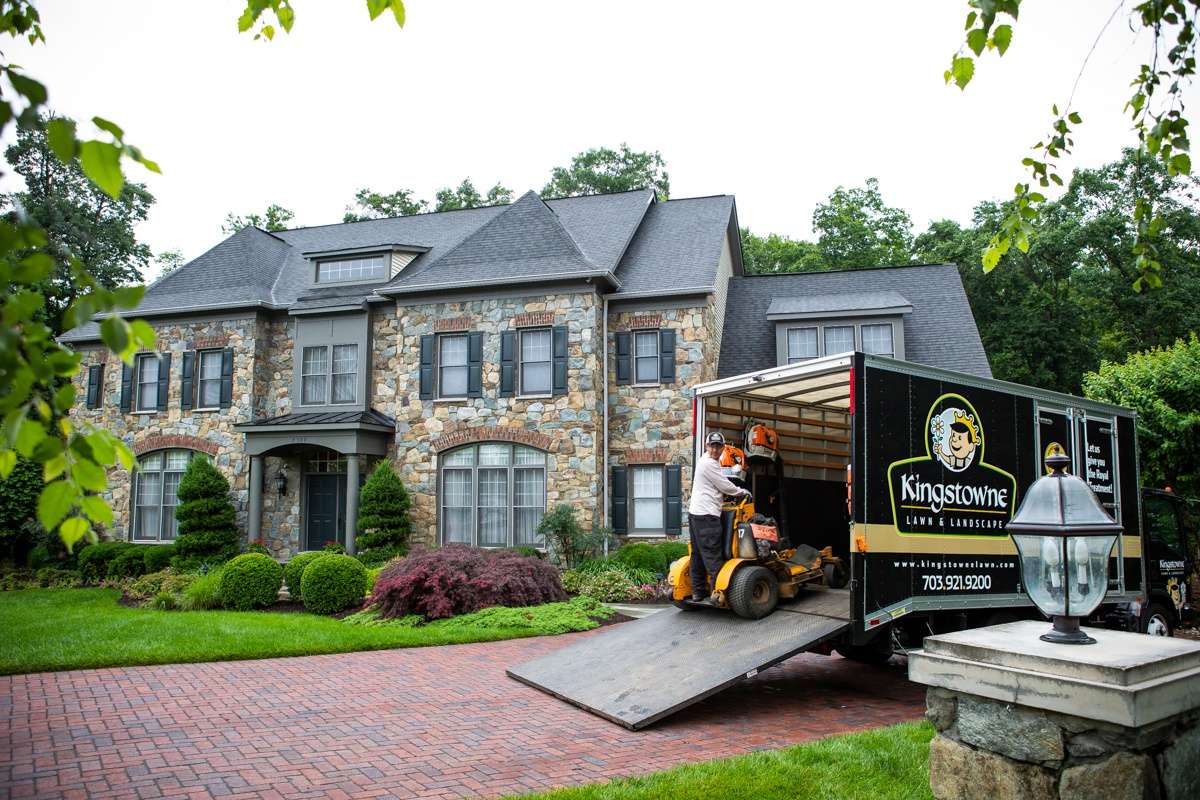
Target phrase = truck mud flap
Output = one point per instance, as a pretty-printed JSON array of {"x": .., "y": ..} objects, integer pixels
[{"x": 638, "y": 672}]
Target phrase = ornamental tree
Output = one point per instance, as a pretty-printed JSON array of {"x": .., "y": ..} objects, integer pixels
[
  {"x": 207, "y": 533},
  {"x": 383, "y": 523}
]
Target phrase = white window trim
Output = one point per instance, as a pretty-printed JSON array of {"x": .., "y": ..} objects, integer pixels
[
  {"x": 645, "y": 533},
  {"x": 383, "y": 258},
  {"x": 162, "y": 487},
  {"x": 853, "y": 335},
  {"x": 520, "y": 376},
  {"x": 137, "y": 383},
  {"x": 657, "y": 354},
  {"x": 437, "y": 367},
  {"x": 474, "y": 468},
  {"x": 357, "y": 357},
  {"x": 890, "y": 325},
  {"x": 787, "y": 343},
  {"x": 198, "y": 382},
  {"x": 328, "y": 369}
]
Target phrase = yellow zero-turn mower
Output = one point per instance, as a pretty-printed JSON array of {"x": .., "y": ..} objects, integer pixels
[{"x": 756, "y": 573}]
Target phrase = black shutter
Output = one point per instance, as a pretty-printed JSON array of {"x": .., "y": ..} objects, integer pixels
[
  {"x": 164, "y": 380},
  {"x": 624, "y": 359},
  {"x": 126, "y": 387},
  {"x": 426, "y": 376},
  {"x": 475, "y": 364},
  {"x": 666, "y": 356},
  {"x": 620, "y": 499},
  {"x": 674, "y": 499},
  {"x": 95, "y": 385},
  {"x": 508, "y": 363},
  {"x": 227, "y": 377},
  {"x": 560, "y": 359},
  {"x": 187, "y": 380}
]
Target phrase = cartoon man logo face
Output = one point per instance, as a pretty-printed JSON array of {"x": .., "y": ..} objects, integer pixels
[{"x": 955, "y": 435}]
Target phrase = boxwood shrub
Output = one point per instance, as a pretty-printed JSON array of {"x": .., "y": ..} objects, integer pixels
[
  {"x": 333, "y": 583},
  {"x": 158, "y": 557},
  {"x": 94, "y": 559},
  {"x": 294, "y": 571},
  {"x": 129, "y": 562},
  {"x": 250, "y": 581}
]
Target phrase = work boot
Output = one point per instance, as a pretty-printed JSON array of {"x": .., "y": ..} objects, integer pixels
[
  {"x": 711, "y": 600},
  {"x": 698, "y": 598}
]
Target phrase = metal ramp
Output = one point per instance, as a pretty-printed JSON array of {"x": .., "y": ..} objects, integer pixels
[{"x": 638, "y": 672}]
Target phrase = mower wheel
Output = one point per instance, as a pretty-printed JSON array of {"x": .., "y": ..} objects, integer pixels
[
  {"x": 753, "y": 592},
  {"x": 835, "y": 575}
]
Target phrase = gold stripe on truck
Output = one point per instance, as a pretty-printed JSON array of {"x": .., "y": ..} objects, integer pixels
[{"x": 881, "y": 538}]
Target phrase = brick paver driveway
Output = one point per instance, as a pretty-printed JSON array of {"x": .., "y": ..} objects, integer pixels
[{"x": 433, "y": 722}]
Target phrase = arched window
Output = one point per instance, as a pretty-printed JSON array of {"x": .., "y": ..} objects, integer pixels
[
  {"x": 154, "y": 499},
  {"x": 492, "y": 495}
]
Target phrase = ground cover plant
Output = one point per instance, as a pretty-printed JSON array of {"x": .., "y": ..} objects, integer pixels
[
  {"x": 457, "y": 579},
  {"x": 577, "y": 614},
  {"x": 52, "y": 629},
  {"x": 882, "y": 764}
]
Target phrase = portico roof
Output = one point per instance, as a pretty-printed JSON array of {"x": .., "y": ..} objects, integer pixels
[{"x": 349, "y": 432}]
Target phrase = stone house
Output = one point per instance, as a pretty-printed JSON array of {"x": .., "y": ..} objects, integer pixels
[{"x": 504, "y": 359}]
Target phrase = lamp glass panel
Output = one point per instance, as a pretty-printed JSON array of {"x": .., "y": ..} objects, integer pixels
[
  {"x": 1041, "y": 566},
  {"x": 1087, "y": 571}
]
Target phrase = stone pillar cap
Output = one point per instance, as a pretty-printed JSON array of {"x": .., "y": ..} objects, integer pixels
[{"x": 1125, "y": 678}]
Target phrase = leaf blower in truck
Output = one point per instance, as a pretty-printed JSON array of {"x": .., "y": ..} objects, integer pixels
[{"x": 735, "y": 557}]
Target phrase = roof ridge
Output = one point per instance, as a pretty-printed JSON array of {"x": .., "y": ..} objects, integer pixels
[
  {"x": 844, "y": 270},
  {"x": 501, "y": 217}
]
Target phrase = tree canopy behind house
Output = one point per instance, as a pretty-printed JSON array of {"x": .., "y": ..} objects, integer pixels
[{"x": 603, "y": 170}]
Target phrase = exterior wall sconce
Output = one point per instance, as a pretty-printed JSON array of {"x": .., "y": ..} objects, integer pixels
[
  {"x": 281, "y": 480},
  {"x": 1064, "y": 537}
]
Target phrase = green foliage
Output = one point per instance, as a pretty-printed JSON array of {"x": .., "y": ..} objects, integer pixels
[
  {"x": 95, "y": 558},
  {"x": 333, "y": 584},
  {"x": 571, "y": 579},
  {"x": 275, "y": 218},
  {"x": 258, "y": 547},
  {"x": 372, "y": 576},
  {"x": 158, "y": 556},
  {"x": 566, "y": 540},
  {"x": 652, "y": 558},
  {"x": 609, "y": 586},
  {"x": 54, "y": 578},
  {"x": 168, "y": 261},
  {"x": 370, "y": 204},
  {"x": 207, "y": 533},
  {"x": 855, "y": 228},
  {"x": 17, "y": 579},
  {"x": 776, "y": 253},
  {"x": 636, "y": 575},
  {"x": 129, "y": 562},
  {"x": 18, "y": 502},
  {"x": 165, "y": 581},
  {"x": 577, "y": 614},
  {"x": 1163, "y": 386},
  {"x": 465, "y": 195},
  {"x": 383, "y": 524},
  {"x": 250, "y": 581},
  {"x": 293, "y": 572},
  {"x": 204, "y": 592},
  {"x": 603, "y": 170}
]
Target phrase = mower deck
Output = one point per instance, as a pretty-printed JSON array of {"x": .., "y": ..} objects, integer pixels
[{"x": 638, "y": 672}]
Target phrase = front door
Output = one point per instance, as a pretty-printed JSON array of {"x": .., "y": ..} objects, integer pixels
[{"x": 324, "y": 521}]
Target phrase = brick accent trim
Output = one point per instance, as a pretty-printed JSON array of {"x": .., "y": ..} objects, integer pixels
[
  {"x": 444, "y": 325},
  {"x": 532, "y": 318},
  {"x": 472, "y": 435},
  {"x": 645, "y": 321},
  {"x": 151, "y": 443},
  {"x": 647, "y": 455},
  {"x": 209, "y": 342}
]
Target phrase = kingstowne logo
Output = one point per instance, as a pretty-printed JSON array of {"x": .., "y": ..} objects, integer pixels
[{"x": 951, "y": 490}]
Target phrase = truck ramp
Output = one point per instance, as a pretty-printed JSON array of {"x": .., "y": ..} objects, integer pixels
[{"x": 638, "y": 672}]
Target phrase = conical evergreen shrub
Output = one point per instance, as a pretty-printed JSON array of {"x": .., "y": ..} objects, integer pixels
[
  {"x": 383, "y": 523},
  {"x": 207, "y": 533}
]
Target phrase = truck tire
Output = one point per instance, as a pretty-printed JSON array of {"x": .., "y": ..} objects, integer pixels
[
  {"x": 753, "y": 592},
  {"x": 876, "y": 651},
  {"x": 1158, "y": 621}
]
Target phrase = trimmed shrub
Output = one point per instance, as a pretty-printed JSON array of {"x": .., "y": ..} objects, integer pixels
[
  {"x": 655, "y": 558},
  {"x": 94, "y": 559},
  {"x": 152, "y": 584},
  {"x": 383, "y": 523},
  {"x": 610, "y": 586},
  {"x": 294, "y": 571},
  {"x": 258, "y": 547},
  {"x": 457, "y": 579},
  {"x": 571, "y": 579},
  {"x": 203, "y": 593},
  {"x": 333, "y": 583},
  {"x": 158, "y": 557},
  {"x": 129, "y": 563},
  {"x": 672, "y": 552},
  {"x": 54, "y": 578},
  {"x": 250, "y": 581},
  {"x": 207, "y": 534}
]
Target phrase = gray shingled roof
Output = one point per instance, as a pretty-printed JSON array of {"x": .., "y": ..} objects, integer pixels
[
  {"x": 647, "y": 245},
  {"x": 940, "y": 331},
  {"x": 838, "y": 302},
  {"x": 368, "y": 417}
]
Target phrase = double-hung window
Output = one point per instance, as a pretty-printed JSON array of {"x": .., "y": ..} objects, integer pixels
[
  {"x": 147, "y": 382},
  {"x": 156, "y": 484},
  {"x": 839, "y": 339},
  {"x": 329, "y": 378},
  {"x": 801, "y": 344},
  {"x": 493, "y": 495},
  {"x": 208, "y": 389},
  {"x": 877, "y": 339},
  {"x": 536, "y": 366},
  {"x": 649, "y": 498},
  {"x": 645, "y": 357},
  {"x": 453, "y": 367}
]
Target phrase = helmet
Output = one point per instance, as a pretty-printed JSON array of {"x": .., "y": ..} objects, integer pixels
[{"x": 715, "y": 438}]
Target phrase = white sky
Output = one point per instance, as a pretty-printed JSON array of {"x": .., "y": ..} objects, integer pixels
[{"x": 774, "y": 103}]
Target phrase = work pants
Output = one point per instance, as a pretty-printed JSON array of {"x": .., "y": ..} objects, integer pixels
[{"x": 708, "y": 550}]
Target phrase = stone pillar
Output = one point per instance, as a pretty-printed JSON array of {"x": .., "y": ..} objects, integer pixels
[
  {"x": 254, "y": 512},
  {"x": 351, "y": 502},
  {"x": 1021, "y": 718}
]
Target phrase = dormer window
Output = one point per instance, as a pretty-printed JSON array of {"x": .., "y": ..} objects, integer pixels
[{"x": 363, "y": 268}]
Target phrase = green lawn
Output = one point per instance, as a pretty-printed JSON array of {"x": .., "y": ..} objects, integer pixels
[
  {"x": 56, "y": 629},
  {"x": 879, "y": 764}
]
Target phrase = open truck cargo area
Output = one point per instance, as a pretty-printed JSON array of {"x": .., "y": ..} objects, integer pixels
[{"x": 910, "y": 475}]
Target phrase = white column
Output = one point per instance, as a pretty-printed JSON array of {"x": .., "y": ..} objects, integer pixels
[
  {"x": 254, "y": 512},
  {"x": 351, "y": 502}
]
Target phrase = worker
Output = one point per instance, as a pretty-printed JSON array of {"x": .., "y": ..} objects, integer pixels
[{"x": 704, "y": 517}]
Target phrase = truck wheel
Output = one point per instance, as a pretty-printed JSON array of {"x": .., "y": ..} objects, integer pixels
[
  {"x": 753, "y": 592},
  {"x": 1156, "y": 621},
  {"x": 878, "y": 651}
]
